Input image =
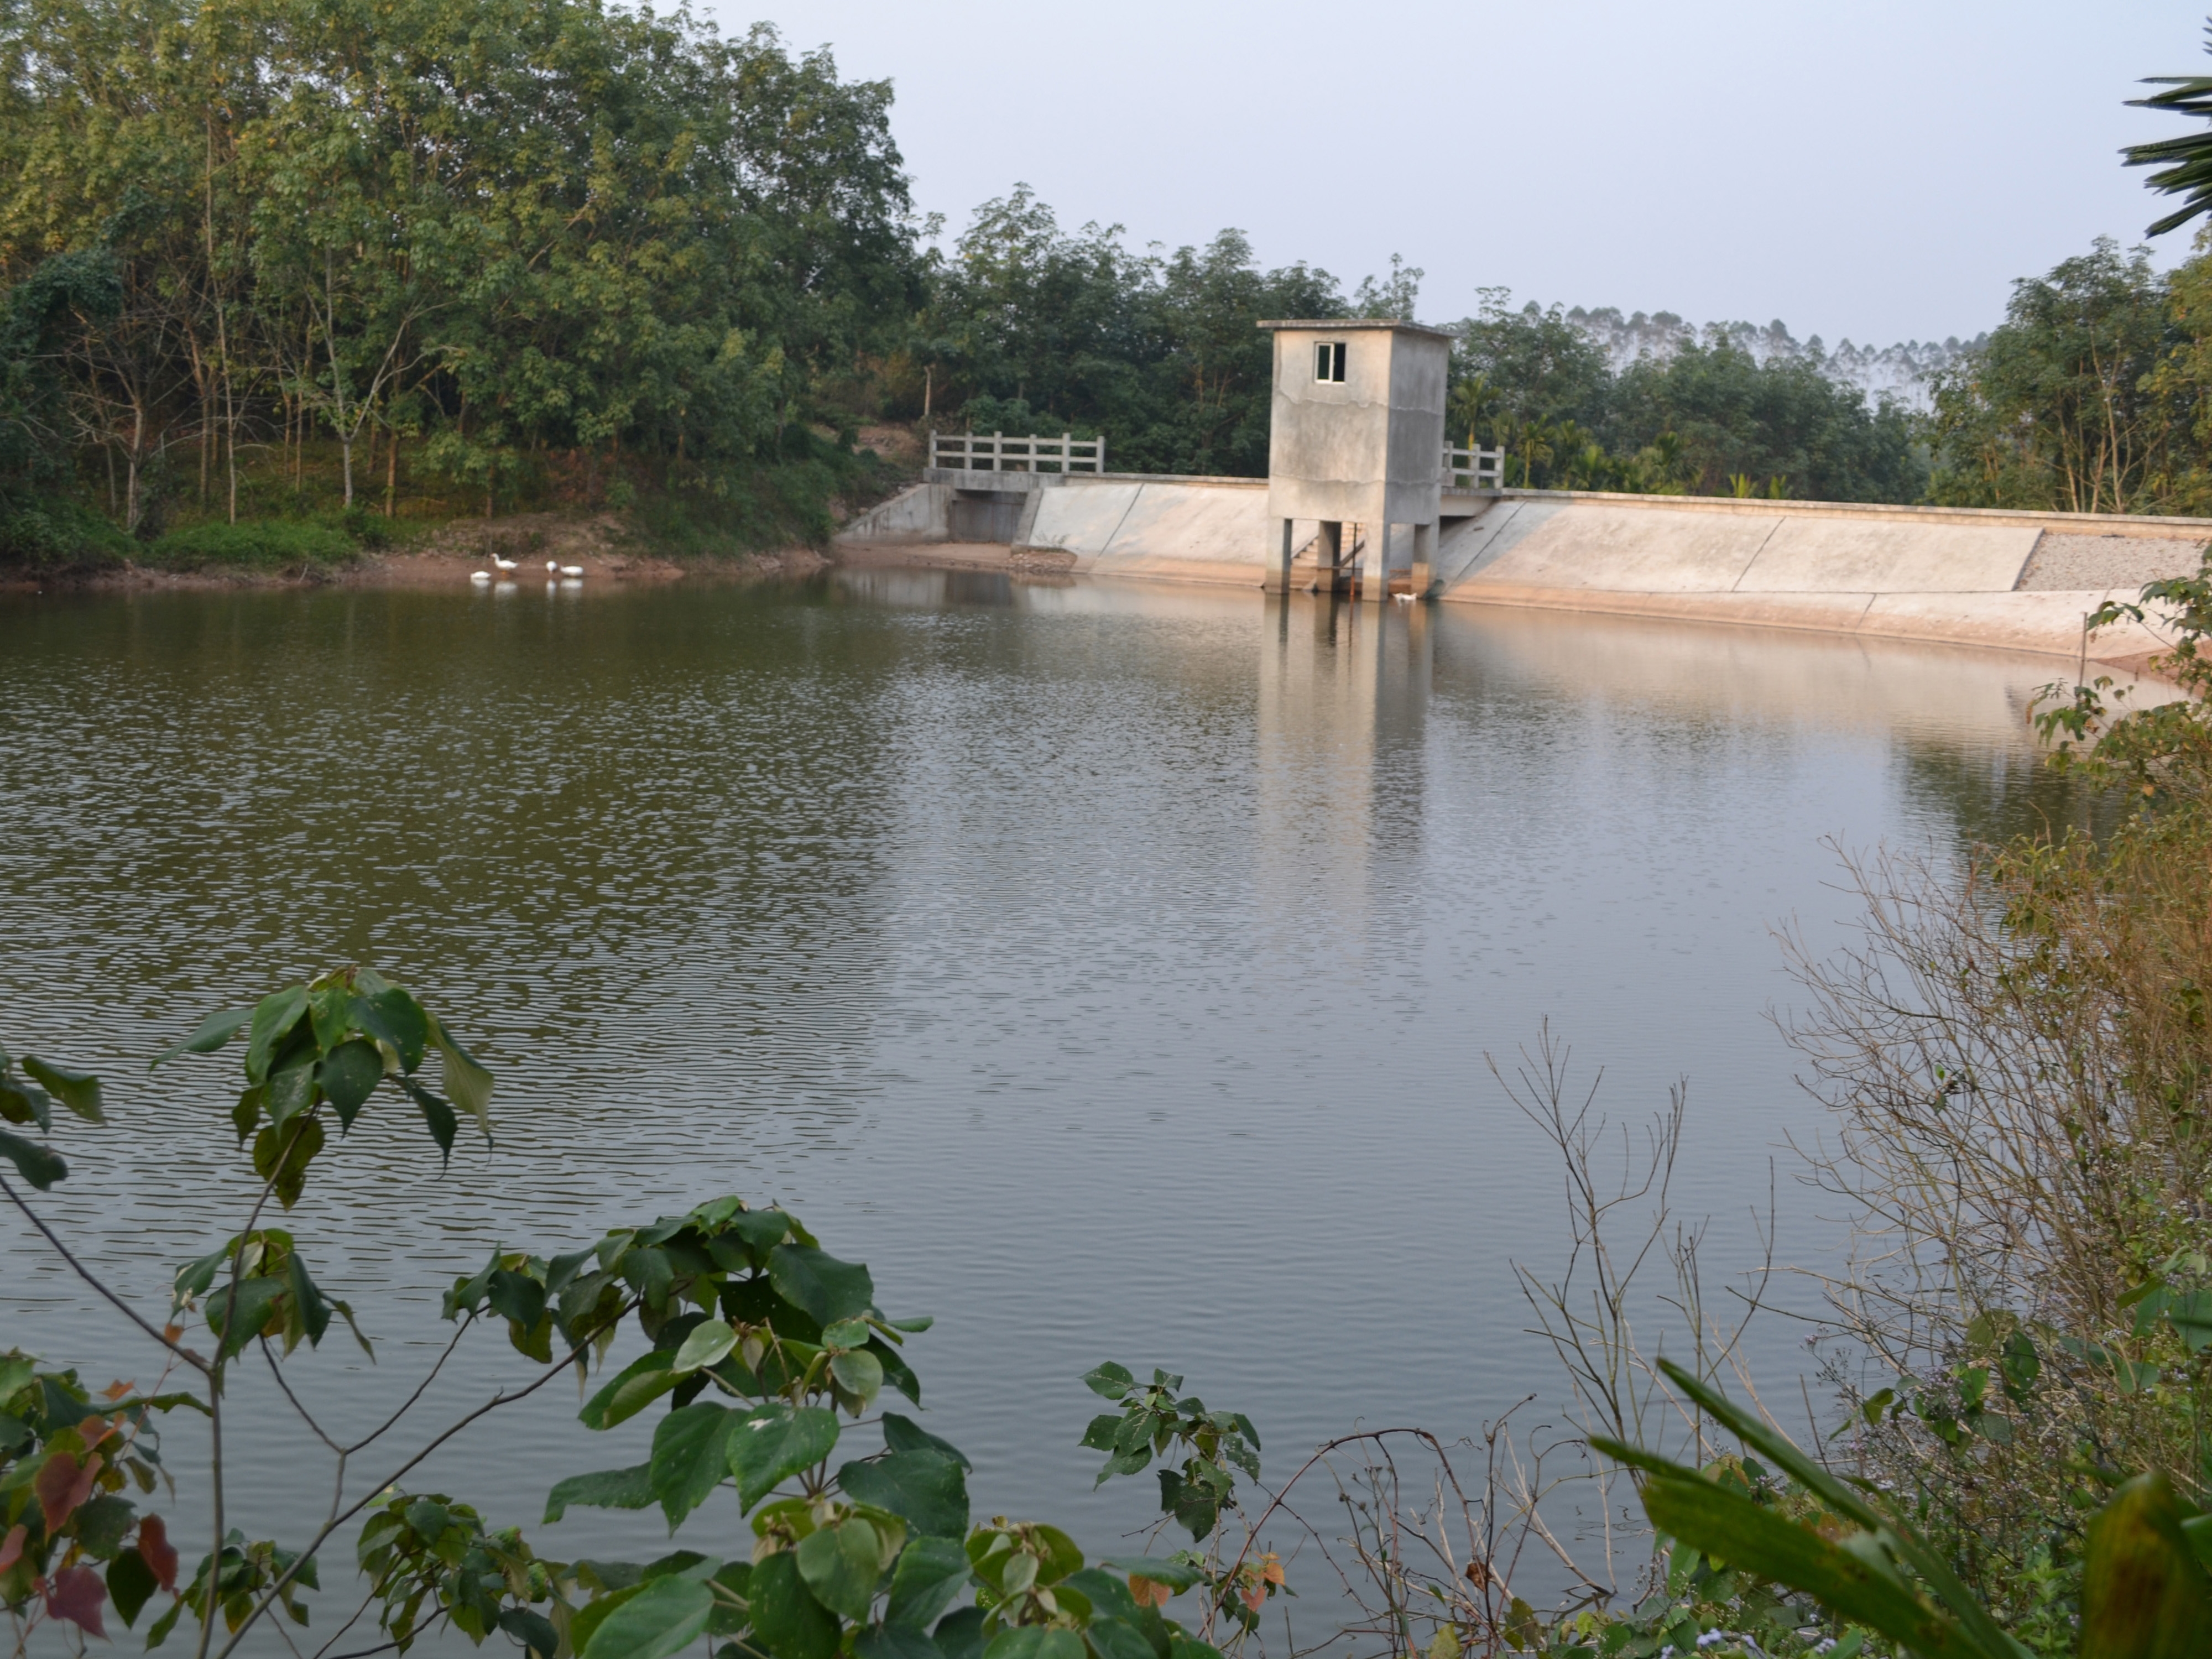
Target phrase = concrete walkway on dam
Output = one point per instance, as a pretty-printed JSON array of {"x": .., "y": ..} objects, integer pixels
[{"x": 2020, "y": 581}]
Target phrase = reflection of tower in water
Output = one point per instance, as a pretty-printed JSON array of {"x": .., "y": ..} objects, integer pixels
[{"x": 1340, "y": 729}]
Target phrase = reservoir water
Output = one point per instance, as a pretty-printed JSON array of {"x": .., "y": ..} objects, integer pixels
[{"x": 1111, "y": 967}]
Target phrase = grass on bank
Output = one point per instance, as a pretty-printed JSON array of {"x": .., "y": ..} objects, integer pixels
[{"x": 293, "y": 516}]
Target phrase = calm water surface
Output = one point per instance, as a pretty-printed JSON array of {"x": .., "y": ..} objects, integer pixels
[{"x": 1112, "y": 967}]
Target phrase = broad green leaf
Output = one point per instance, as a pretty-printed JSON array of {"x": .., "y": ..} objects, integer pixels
[
  {"x": 1034, "y": 1642},
  {"x": 897, "y": 1371},
  {"x": 237, "y": 1326},
  {"x": 274, "y": 1017},
  {"x": 213, "y": 1031},
  {"x": 891, "y": 1641},
  {"x": 904, "y": 1434},
  {"x": 592, "y": 1614},
  {"x": 1109, "y": 1379},
  {"x": 691, "y": 1457},
  {"x": 930, "y": 1575},
  {"x": 639, "y": 1383},
  {"x": 1733, "y": 1529},
  {"x": 841, "y": 1565},
  {"x": 437, "y": 1114},
  {"x": 737, "y": 1579},
  {"x": 787, "y": 1618},
  {"x": 1117, "y": 1638},
  {"x": 467, "y": 1083},
  {"x": 664, "y": 1617},
  {"x": 33, "y": 1162},
  {"x": 349, "y": 1074},
  {"x": 772, "y": 1442},
  {"x": 1060, "y": 1556},
  {"x": 608, "y": 1489},
  {"x": 330, "y": 1014},
  {"x": 393, "y": 1016},
  {"x": 78, "y": 1091},
  {"x": 858, "y": 1373},
  {"x": 131, "y": 1584},
  {"x": 828, "y": 1289},
  {"x": 924, "y": 1488},
  {"x": 763, "y": 1230},
  {"x": 291, "y": 1088},
  {"x": 310, "y": 1312},
  {"x": 708, "y": 1341},
  {"x": 2143, "y": 1594},
  {"x": 1104, "y": 1431},
  {"x": 533, "y": 1630},
  {"x": 960, "y": 1634},
  {"x": 26, "y": 1103},
  {"x": 847, "y": 1333}
]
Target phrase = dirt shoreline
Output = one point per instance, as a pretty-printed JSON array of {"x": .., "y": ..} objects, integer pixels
[{"x": 515, "y": 549}]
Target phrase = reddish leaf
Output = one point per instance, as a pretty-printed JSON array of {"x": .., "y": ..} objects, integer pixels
[
  {"x": 63, "y": 1484},
  {"x": 116, "y": 1390},
  {"x": 159, "y": 1552},
  {"x": 11, "y": 1547},
  {"x": 76, "y": 1595},
  {"x": 1146, "y": 1593}
]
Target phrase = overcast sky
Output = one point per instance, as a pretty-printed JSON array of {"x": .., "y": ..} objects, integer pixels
[{"x": 1878, "y": 171}]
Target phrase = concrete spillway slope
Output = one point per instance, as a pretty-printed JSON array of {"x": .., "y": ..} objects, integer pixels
[
  {"x": 1906, "y": 572},
  {"x": 2016, "y": 580}
]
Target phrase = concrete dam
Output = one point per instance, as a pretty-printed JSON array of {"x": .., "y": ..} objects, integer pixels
[{"x": 1363, "y": 498}]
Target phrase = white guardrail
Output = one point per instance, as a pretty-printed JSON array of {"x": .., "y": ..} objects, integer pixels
[
  {"x": 974, "y": 452},
  {"x": 977, "y": 451}
]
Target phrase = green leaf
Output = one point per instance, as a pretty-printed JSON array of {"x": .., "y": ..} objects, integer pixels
[
  {"x": 1115, "y": 1639},
  {"x": 274, "y": 1017},
  {"x": 393, "y": 1016},
  {"x": 349, "y": 1075},
  {"x": 33, "y": 1162},
  {"x": 1719, "y": 1524},
  {"x": 592, "y": 1614},
  {"x": 828, "y": 1289},
  {"x": 904, "y": 1434},
  {"x": 130, "y": 1583},
  {"x": 841, "y": 1565},
  {"x": 2143, "y": 1594},
  {"x": 787, "y": 1618},
  {"x": 897, "y": 1371},
  {"x": 533, "y": 1630},
  {"x": 772, "y": 1442},
  {"x": 691, "y": 1457},
  {"x": 663, "y": 1617},
  {"x": 467, "y": 1083},
  {"x": 1034, "y": 1642},
  {"x": 737, "y": 1579},
  {"x": 78, "y": 1091},
  {"x": 960, "y": 1634},
  {"x": 708, "y": 1342},
  {"x": 213, "y": 1031},
  {"x": 25, "y": 1103},
  {"x": 890, "y": 1641},
  {"x": 924, "y": 1488},
  {"x": 928, "y": 1578},
  {"x": 858, "y": 1373},
  {"x": 639, "y": 1383},
  {"x": 1105, "y": 1429},
  {"x": 847, "y": 1333},
  {"x": 291, "y": 1088},
  {"x": 608, "y": 1489},
  {"x": 435, "y": 1113},
  {"x": 238, "y": 1326},
  {"x": 1109, "y": 1379}
]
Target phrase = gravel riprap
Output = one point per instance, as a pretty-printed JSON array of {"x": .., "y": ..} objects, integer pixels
[{"x": 2070, "y": 563}]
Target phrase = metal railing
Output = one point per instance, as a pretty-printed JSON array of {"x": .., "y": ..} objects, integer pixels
[
  {"x": 973, "y": 452},
  {"x": 1482, "y": 469}
]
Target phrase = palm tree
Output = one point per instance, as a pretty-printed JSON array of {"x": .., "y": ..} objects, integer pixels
[{"x": 2186, "y": 161}]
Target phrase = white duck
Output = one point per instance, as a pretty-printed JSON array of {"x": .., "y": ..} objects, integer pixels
[
  {"x": 479, "y": 575},
  {"x": 572, "y": 572},
  {"x": 552, "y": 567},
  {"x": 501, "y": 565}
]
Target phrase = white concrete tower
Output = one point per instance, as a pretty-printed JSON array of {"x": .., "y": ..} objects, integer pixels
[{"x": 1357, "y": 439}]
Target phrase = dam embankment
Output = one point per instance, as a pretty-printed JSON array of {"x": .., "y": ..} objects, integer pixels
[{"x": 2020, "y": 581}]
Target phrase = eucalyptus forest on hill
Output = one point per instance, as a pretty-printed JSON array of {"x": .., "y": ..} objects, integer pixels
[{"x": 325, "y": 262}]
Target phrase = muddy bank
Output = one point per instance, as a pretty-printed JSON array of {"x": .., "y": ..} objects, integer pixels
[{"x": 517, "y": 548}]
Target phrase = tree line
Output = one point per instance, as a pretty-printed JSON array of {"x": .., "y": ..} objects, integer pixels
[{"x": 263, "y": 258}]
